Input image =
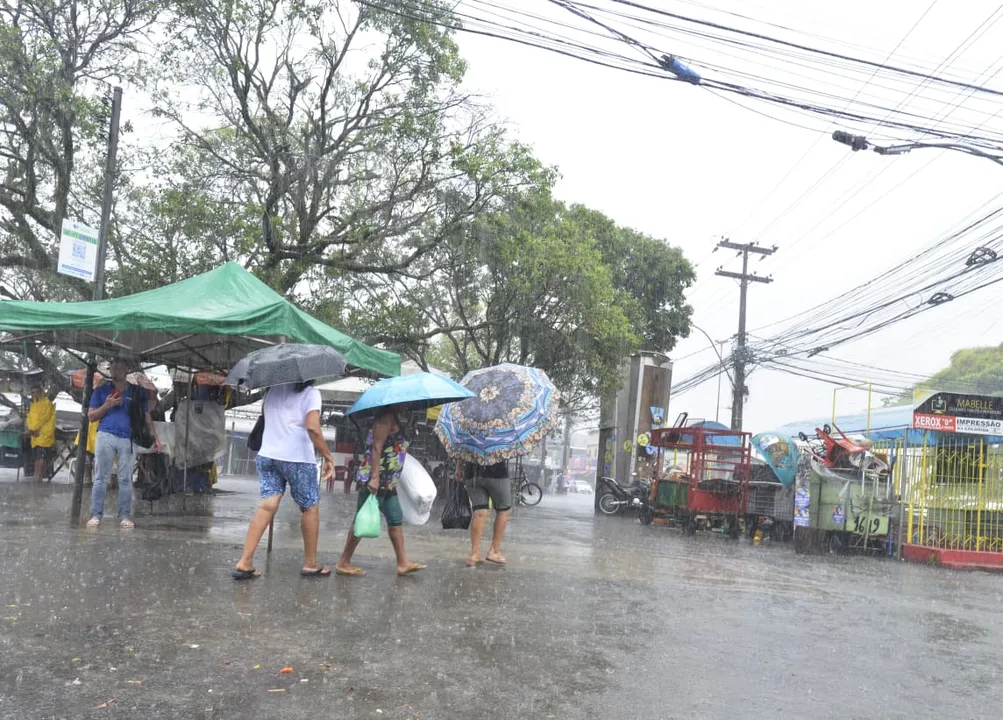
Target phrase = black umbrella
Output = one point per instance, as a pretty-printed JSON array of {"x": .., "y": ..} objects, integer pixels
[{"x": 288, "y": 363}]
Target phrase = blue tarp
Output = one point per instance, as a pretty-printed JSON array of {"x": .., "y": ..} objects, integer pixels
[{"x": 886, "y": 424}]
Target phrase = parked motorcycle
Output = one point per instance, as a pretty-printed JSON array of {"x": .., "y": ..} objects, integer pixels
[{"x": 614, "y": 497}]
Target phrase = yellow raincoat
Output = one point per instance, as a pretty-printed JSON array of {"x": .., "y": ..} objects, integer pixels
[
  {"x": 92, "y": 434},
  {"x": 42, "y": 417}
]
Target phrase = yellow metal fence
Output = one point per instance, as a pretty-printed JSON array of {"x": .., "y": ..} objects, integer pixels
[{"x": 951, "y": 490}]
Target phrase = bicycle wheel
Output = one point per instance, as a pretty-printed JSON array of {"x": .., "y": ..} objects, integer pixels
[{"x": 530, "y": 494}]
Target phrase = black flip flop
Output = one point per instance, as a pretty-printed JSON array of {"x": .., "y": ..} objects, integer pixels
[
  {"x": 245, "y": 574},
  {"x": 319, "y": 572}
]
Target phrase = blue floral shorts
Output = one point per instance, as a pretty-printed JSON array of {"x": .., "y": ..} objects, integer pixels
[{"x": 274, "y": 475}]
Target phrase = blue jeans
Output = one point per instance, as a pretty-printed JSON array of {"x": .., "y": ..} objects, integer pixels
[{"x": 106, "y": 447}]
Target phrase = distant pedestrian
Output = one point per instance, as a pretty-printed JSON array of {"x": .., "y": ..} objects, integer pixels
[
  {"x": 386, "y": 450},
  {"x": 109, "y": 407},
  {"x": 289, "y": 445},
  {"x": 488, "y": 486},
  {"x": 41, "y": 425}
]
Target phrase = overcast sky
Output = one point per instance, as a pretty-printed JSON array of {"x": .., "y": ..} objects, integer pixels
[{"x": 678, "y": 162}]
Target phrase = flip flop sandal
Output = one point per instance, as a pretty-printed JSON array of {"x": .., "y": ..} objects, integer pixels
[
  {"x": 319, "y": 572},
  {"x": 412, "y": 568},
  {"x": 245, "y": 574},
  {"x": 354, "y": 572},
  {"x": 496, "y": 562},
  {"x": 94, "y": 522}
]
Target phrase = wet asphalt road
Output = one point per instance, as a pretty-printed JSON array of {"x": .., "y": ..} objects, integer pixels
[{"x": 593, "y": 618}]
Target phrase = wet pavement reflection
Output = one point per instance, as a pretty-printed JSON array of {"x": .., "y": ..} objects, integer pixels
[{"x": 593, "y": 618}]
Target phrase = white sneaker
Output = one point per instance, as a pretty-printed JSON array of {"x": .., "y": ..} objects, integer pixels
[{"x": 94, "y": 522}]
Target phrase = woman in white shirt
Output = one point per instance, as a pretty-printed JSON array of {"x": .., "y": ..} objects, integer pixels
[{"x": 291, "y": 440}]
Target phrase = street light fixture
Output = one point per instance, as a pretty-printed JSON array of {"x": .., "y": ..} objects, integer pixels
[
  {"x": 713, "y": 345},
  {"x": 859, "y": 142}
]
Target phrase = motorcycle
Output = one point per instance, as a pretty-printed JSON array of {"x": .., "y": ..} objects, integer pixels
[{"x": 614, "y": 497}]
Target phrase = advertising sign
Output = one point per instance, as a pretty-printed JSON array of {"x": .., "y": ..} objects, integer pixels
[
  {"x": 956, "y": 413},
  {"x": 78, "y": 250}
]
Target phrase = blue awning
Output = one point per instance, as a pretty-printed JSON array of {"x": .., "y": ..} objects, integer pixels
[{"x": 885, "y": 424}]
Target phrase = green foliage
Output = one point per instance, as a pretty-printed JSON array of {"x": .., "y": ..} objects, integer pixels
[
  {"x": 650, "y": 273},
  {"x": 535, "y": 283},
  {"x": 973, "y": 371}
]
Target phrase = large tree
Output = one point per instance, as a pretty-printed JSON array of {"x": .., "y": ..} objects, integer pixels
[
  {"x": 531, "y": 283},
  {"x": 338, "y": 129},
  {"x": 57, "y": 60},
  {"x": 650, "y": 272}
]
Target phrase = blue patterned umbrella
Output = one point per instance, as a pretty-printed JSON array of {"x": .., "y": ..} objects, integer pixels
[{"x": 513, "y": 408}]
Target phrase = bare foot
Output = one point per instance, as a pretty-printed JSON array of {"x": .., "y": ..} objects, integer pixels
[
  {"x": 474, "y": 560},
  {"x": 495, "y": 557},
  {"x": 411, "y": 567},
  {"x": 348, "y": 569}
]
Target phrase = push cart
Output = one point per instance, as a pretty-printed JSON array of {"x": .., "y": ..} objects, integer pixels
[{"x": 707, "y": 486}]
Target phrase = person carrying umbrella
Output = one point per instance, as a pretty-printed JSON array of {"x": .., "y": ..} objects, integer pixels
[
  {"x": 389, "y": 402},
  {"x": 484, "y": 484},
  {"x": 513, "y": 409},
  {"x": 290, "y": 441}
]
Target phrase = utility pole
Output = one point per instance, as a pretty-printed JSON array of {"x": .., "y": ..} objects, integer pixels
[
  {"x": 740, "y": 357},
  {"x": 106, "y": 202},
  {"x": 720, "y": 356}
]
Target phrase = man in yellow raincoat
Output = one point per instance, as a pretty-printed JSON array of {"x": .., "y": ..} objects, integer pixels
[{"x": 41, "y": 424}]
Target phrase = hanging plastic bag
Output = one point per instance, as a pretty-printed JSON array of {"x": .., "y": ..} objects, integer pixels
[
  {"x": 456, "y": 515},
  {"x": 416, "y": 492},
  {"x": 367, "y": 520}
]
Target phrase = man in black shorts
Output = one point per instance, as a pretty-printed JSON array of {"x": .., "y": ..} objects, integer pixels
[{"x": 488, "y": 483}]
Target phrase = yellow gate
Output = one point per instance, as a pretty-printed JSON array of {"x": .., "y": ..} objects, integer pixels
[{"x": 952, "y": 492}]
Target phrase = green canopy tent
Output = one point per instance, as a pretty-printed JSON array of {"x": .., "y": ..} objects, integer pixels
[{"x": 207, "y": 322}]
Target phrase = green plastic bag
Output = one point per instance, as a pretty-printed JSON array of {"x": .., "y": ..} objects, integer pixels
[{"x": 367, "y": 520}]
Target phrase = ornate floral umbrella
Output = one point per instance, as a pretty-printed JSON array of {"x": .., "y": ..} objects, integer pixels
[{"x": 513, "y": 409}]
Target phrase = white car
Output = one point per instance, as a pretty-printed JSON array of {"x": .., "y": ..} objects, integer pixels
[{"x": 580, "y": 486}]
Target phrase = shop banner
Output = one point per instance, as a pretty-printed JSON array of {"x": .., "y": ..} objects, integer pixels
[{"x": 956, "y": 413}]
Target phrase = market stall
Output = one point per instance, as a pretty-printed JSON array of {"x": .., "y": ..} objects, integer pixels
[{"x": 204, "y": 323}]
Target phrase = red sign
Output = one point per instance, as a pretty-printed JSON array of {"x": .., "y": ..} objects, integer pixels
[{"x": 940, "y": 423}]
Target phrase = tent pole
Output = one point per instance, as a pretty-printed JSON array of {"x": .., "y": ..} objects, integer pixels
[
  {"x": 188, "y": 426},
  {"x": 78, "y": 470}
]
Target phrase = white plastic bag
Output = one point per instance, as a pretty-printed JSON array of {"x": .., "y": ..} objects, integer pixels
[{"x": 416, "y": 492}]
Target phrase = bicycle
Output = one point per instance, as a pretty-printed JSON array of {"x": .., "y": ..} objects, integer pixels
[{"x": 525, "y": 492}]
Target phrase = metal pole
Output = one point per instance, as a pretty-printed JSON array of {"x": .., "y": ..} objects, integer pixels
[
  {"x": 106, "y": 203},
  {"x": 717, "y": 409},
  {"x": 739, "y": 389}
]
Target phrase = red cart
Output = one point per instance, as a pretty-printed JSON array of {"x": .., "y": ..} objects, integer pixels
[{"x": 701, "y": 478}]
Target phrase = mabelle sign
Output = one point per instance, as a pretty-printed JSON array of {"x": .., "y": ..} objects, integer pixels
[{"x": 956, "y": 413}]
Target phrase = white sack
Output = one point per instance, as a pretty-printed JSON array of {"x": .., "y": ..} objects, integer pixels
[{"x": 416, "y": 492}]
